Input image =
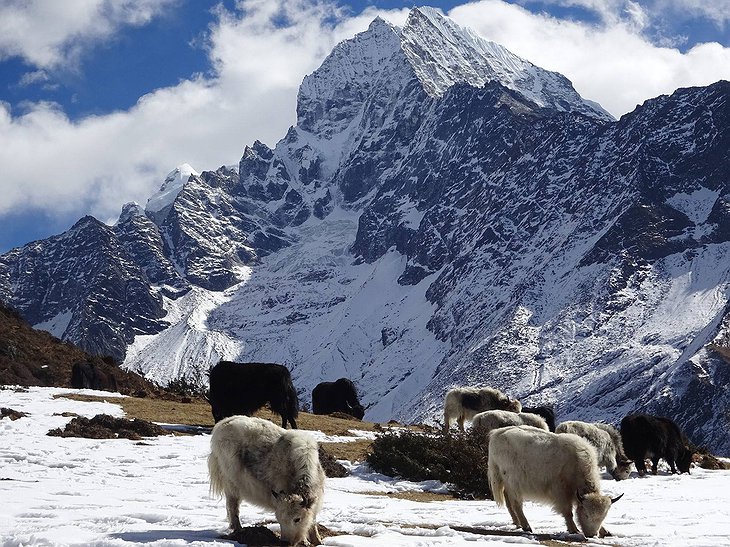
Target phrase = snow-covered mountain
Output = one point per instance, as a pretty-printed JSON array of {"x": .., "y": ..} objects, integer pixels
[{"x": 443, "y": 213}]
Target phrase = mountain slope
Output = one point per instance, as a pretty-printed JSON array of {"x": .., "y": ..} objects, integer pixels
[{"x": 443, "y": 213}]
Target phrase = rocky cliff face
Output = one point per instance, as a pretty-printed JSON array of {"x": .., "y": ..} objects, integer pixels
[{"x": 443, "y": 213}]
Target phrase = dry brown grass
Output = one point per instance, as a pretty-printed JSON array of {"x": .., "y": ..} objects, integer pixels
[
  {"x": 354, "y": 451},
  {"x": 197, "y": 413}
]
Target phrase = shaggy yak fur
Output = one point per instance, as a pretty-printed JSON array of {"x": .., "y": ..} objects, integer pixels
[
  {"x": 609, "y": 455},
  {"x": 338, "y": 396},
  {"x": 463, "y": 403},
  {"x": 546, "y": 412},
  {"x": 243, "y": 388},
  {"x": 654, "y": 437},
  {"x": 526, "y": 463},
  {"x": 256, "y": 461},
  {"x": 494, "y": 419}
]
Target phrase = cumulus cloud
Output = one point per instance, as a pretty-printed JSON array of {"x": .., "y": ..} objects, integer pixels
[
  {"x": 259, "y": 53},
  {"x": 55, "y": 34}
]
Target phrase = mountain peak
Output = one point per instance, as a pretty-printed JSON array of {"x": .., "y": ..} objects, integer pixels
[
  {"x": 130, "y": 210},
  {"x": 440, "y": 53},
  {"x": 444, "y": 53},
  {"x": 330, "y": 97},
  {"x": 171, "y": 187}
]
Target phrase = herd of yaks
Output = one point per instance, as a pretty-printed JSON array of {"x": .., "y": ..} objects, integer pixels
[{"x": 529, "y": 458}]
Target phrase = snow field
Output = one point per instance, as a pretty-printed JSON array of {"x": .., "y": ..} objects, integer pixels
[{"x": 73, "y": 492}]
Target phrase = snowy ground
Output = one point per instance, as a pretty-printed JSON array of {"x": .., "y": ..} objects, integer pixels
[{"x": 73, "y": 492}]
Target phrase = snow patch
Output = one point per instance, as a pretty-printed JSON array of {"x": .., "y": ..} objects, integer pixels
[
  {"x": 697, "y": 205},
  {"x": 169, "y": 190},
  {"x": 57, "y": 324}
]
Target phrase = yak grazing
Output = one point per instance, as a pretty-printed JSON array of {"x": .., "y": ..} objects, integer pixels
[
  {"x": 338, "y": 396},
  {"x": 463, "y": 403},
  {"x": 243, "y": 388},
  {"x": 654, "y": 437},
  {"x": 526, "y": 463},
  {"x": 256, "y": 461},
  {"x": 609, "y": 455},
  {"x": 90, "y": 376}
]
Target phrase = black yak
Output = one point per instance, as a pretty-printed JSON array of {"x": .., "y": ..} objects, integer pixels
[
  {"x": 654, "y": 437},
  {"x": 243, "y": 388},
  {"x": 339, "y": 396}
]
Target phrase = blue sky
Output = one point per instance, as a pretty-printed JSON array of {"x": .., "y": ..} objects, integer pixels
[{"x": 99, "y": 99}]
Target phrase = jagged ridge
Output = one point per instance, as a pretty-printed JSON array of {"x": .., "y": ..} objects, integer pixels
[{"x": 443, "y": 213}]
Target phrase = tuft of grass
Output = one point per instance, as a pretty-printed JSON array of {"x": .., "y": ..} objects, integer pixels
[{"x": 460, "y": 460}]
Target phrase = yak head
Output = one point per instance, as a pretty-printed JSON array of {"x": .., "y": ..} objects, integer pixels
[
  {"x": 296, "y": 515},
  {"x": 513, "y": 405},
  {"x": 684, "y": 460},
  {"x": 592, "y": 510},
  {"x": 622, "y": 470},
  {"x": 356, "y": 411}
]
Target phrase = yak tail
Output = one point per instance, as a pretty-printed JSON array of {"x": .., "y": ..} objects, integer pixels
[
  {"x": 496, "y": 485},
  {"x": 216, "y": 476}
]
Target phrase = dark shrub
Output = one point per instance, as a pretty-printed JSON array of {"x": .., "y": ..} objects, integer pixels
[
  {"x": 460, "y": 460},
  {"x": 103, "y": 426},
  {"x": 332, "y": 468}
]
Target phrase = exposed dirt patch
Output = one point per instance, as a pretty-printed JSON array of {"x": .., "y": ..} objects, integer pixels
[
  {"x": 261, "y": 536},
  {"x": 424, "y": 497},
  {"x": 12, "y": 414},
  {"x": 255, "y": 536},
  {"x": 197, "y": 412},
  {"x": 103, "y": 426}
]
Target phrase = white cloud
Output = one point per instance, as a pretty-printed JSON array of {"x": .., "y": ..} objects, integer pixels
[
  {"x": 717, "y": 11},
  {"x": 260, "y": 53},
  {"x": 96, "y": 164},
  {"x": 52, "y": 34},
  {"x": 33, "y": 77}
]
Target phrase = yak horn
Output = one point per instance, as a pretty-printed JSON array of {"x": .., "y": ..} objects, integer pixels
[
  {"x": 614, "y": 500},
  {"x": 580, "y": 498}
]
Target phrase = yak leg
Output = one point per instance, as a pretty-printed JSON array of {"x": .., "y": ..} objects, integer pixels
[
  {"x": 654, "y": 464},
  {"x": 671, "y": 459},
  {"x": 314, "y": 537},
  {"x": 567, "y": 513},
  {"x": 515, "y": 510},
  {"x": 232, "y": 505},
  {"x": 602, "y": 533},
  {"x": 512, "y": 513},
  {"x": 460, "y": 421}
]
